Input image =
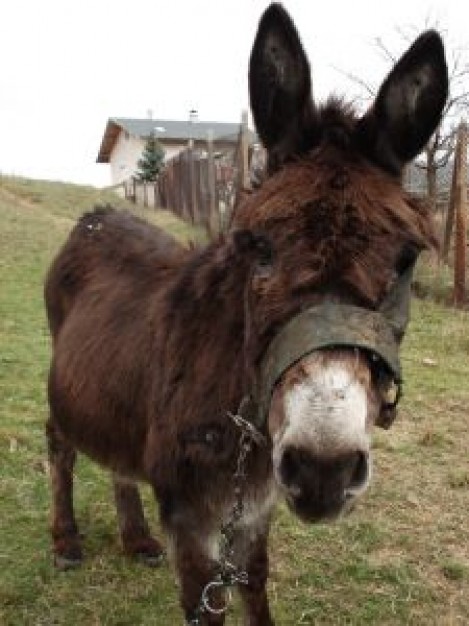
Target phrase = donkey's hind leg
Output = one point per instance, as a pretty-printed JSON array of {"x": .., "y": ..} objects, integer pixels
[
  {"x": 136, "y": 538},
  {"x": 66, "y": 541}
]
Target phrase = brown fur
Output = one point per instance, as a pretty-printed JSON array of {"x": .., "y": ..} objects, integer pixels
[
  {"x": 341, "y": 226},
  {"x": 154, "y": 344}
]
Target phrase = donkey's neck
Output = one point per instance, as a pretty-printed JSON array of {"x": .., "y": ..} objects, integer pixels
[{"x": 202, "y": 334}]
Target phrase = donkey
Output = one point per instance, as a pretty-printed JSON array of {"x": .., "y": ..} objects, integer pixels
[{"x": 255, "y": 367}]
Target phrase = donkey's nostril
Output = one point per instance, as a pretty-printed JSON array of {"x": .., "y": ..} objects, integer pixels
[
  {"x": 290, "y": 467},
  {"x": 359, "y": 475}
]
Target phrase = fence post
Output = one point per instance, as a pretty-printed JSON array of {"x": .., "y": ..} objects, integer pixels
[
  {"x": 460, "y": 239},
  {"x": 449, "y": 223},
  {"x": 244, "y": 153},
  {"x": 191, "y": 190},
  {"x": 213, "y": 221},
  {"x": 200, "y": 210},
  {"x": 155, "y": 193},
  {"x": 179, "y": 183}
]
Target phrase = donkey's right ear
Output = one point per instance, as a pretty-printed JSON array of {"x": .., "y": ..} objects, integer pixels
[{"x": 279, "y": 85}]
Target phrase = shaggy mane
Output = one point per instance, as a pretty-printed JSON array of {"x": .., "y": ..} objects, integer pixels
[{"x": 352, "y": 215}]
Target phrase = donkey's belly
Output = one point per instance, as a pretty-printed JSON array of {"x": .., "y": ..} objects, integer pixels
[
  {"x": 99, "y": 403},
  {"x": 116, "y": 448},
  {"x": 111, "y": 439}
]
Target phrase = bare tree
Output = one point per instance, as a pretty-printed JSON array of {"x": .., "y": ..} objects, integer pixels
[{"x": 439, "y": 150}]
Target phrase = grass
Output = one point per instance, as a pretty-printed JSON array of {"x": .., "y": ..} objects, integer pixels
[{"x": 402, "y": 557}]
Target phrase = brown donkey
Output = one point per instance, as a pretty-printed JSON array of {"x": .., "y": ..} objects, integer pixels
[{"x": 164, "y": 358}]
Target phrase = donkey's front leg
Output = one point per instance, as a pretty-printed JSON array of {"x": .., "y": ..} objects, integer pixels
[
  {"x": 196, "y": 568},
  {"x": 252, "y": 545}
]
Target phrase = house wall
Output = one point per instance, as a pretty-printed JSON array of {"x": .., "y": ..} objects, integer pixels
[
  {"x": 126, "y": 153},
  {"x": 128, "y": 150}
]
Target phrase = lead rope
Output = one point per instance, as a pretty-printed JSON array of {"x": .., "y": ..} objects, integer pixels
[{"x": 228, "y": 574}]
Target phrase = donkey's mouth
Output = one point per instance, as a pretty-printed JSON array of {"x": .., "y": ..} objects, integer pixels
[
  {"x": 321, "y": 489},
  {"x": 325, "y": 510}
]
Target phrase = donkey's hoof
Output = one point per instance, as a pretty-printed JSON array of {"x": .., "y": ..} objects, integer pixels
[
  {"x": 64, "y": 563},
  {"x": 146, "y": 550},
  {"x": 67, "y": 554},
  {"x": 150, "y": 560}
]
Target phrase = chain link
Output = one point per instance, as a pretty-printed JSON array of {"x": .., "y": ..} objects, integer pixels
[{"x": 228, "y": 574}]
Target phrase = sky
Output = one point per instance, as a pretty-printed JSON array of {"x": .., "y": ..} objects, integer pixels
[{"x": 69, "y": 65}]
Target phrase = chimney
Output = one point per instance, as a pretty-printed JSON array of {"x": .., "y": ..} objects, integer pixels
[
  {"x": 150, "y": 114},
  {"x": 193, "y": 116}
]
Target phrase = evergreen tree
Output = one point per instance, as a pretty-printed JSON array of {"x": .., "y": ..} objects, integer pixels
[{"x": 152, "y": 160}]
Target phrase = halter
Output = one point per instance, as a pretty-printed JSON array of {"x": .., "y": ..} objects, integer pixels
[
  {"x": 328, "y": 325},
  {"x": 334, "y": 325}
]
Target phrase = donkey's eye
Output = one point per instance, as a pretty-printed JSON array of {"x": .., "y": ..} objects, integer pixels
[
  {"x": 265, "y": 258},
  {"x": 264, "y": 266},
  {"x": 264, "y": 251},
  {"x": 406, "y": 258},
  {"x": 263, "y": 270}
]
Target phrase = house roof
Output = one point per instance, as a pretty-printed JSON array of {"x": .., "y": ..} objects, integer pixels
[{"x": 169, "y": 130}]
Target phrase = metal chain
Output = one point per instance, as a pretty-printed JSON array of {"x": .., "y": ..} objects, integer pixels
[{"x": 228, "y": 574}]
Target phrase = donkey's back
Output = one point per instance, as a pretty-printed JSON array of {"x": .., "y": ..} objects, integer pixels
[
  {"x": 104, "y": 242},
  {"x": 100, "y": 294}
]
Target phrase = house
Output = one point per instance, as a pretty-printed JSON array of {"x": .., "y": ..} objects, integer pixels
[{"x": 124, "y": 140}]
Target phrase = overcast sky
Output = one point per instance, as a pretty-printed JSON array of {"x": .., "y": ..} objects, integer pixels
[{"x": 69, "y": 65}]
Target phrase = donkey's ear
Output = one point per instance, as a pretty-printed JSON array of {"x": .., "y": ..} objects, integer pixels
[
  {"x": 279, "y": 84},
  {"x": 409, "y": 105}
]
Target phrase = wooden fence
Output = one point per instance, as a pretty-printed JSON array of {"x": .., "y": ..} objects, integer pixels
[
  {"x": 456, "y": 218},
  {"x": 201, "y": 186}
]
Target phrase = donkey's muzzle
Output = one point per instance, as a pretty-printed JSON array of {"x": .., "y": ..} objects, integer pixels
[{"x": 320, "y": 488}]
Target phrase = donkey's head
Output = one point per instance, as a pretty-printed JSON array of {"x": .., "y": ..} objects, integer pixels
[{"x": 335, "y": 239}]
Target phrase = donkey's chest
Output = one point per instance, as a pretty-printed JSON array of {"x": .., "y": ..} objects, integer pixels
[
  {"x": 249, "y": 517},
  {"x": 256, "y": 505}
]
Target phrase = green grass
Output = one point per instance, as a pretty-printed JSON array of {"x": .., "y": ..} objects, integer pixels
[{"x": 402, "y": 557}]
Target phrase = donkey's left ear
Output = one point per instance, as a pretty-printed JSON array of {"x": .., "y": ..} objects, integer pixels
[
  {"x": 279, "y": 86},
  {"x": 409, "y": 105}
]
